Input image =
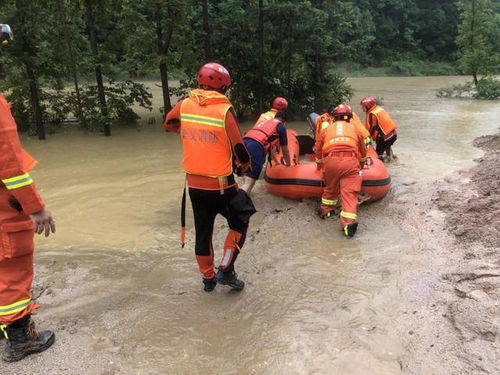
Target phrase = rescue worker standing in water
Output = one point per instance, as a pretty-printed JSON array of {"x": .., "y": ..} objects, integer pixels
[
  {"x": 22, "y": 213},
  {"x": 340, "y": 152},
  {"x": 212, "y": 145},
  {"x": 380, "y": 125}
]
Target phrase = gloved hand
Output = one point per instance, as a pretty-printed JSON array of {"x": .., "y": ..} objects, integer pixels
[
  {"x": 319, "y": 166},
  {"x": 363, "y": 161}
]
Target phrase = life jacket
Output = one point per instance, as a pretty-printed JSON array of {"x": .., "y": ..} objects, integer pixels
[
  {"x": 356, "y": 121},
  {"x": 8, "y": 129},
  {"x": 340, "y": 135},
  {"x": 269, "y": 115},
  {"x": 322, "y": 122},
  {"x": 385, "y": 122},
  {"x": 207, "y": 149},
  {"x": 263, "y": 131}
]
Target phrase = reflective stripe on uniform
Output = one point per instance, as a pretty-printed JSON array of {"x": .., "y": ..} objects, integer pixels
[
  {"x": 348, "y": 215},
  {"x": 18, "y": 181},
  {"x": 4, "y": 330},
  {"x": 204, "y": 120},
  {"x": 328, "y": 202},
  {"x": 14, "y": 307}
]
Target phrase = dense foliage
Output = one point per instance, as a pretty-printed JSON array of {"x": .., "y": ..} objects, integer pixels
[{"x": 68, "y": 55}]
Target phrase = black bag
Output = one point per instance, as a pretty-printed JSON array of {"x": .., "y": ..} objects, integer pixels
[{"x": 242, "y": 206}]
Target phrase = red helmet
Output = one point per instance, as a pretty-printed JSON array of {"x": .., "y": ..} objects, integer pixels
[
  {"x": 214, "y": 75},
  {"x": 280, "y": 103},
  {"x": 342, "y": 111},
  {"x": 368, "y": 101}
]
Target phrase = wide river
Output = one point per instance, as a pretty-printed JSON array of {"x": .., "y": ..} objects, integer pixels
[{"x": 315, "y": 303}]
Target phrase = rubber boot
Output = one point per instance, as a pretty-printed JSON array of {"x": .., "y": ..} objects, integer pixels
[
  {"x": 230, "y": 278},
  {"x": 23, "y": 340},
  {"x": 209, "y": 284},
  {"x": 350, "y": 230}
]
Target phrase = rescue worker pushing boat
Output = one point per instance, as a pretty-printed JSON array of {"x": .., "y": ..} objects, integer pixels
[
  {"x": 22, "y": 213},
  {"x": 213, "y": 145},
  {"x": 340, "y": 152},
  {"x": 381, "y": 127},
  {"x": 264, "y": 138}
]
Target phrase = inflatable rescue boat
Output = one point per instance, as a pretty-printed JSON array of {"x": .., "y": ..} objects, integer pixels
[{"x": 303, "y": 180}]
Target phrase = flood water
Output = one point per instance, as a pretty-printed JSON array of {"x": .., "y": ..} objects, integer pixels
[{"x": 315, "y": 303}]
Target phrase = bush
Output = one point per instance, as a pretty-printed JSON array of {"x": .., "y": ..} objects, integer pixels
[{"x": 487, "y": 88}]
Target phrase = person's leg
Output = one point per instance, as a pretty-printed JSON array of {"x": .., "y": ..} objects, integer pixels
[
  {"x": 204, "y": 216},
  {"x": 235, "y": 240},
  {"x": 258, "y": 157},
  {"x": 329, "y": 198},
  {"x": 350, "y": 186}
]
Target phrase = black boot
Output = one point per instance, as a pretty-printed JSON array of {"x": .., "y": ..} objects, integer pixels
[
  {"x": 209, "y": 284},
  {"x": 350, "y": 230},
  {"x": 23, "y": 339},
  {"x": 230, "y": 278}
]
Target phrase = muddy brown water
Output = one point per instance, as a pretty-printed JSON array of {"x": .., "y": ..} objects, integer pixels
[{"x": 315, "y": 303}]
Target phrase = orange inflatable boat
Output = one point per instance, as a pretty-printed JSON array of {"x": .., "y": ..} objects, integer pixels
[{"x": 303, "y": 180}]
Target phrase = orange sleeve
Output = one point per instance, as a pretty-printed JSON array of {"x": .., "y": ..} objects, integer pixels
[
  {"x": 15, "y": 164},
  {"x": 318, "y": 147},
  {"x": 237, "y": 144},
  {"x": 172, "y": 121},
  {"x": 361, "y": 145}
]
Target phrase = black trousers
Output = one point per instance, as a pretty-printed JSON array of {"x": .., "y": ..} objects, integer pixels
[
  {"x": 207, "y": 204},
  {"x": 384, "y": 146}
]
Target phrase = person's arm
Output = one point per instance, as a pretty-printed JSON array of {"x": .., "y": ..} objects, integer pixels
[
  {"x": 237, "y": 144},
  {"x": 374, "y": 129},
  {"x": 18, "y": 181},
  {"x": 172, "y": 121},
  {"x": 281, "y": 130},
  {"x": 318, "y": 147}
]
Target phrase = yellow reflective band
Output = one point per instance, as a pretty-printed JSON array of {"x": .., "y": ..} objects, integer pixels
[
  {"x": 14, "y": 307},
  {"x": 204, "y": 120},
  {"x": 17, "y": 181},
  {"x": 348, "y": 215},
  {"x": 3, "y": 329},
  {"x": 329, "y": 202},
  {"x": 346, "y": 230},
  {"x": 377, "y": 110}
]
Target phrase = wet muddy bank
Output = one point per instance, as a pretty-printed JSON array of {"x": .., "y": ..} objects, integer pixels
[{"x": 451, "y": 319}]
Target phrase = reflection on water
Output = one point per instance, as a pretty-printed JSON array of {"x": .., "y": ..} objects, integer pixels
[{"x": 315, "y": 303}]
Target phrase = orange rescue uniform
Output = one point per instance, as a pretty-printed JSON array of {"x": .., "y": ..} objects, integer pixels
[
  {"x": 339, "y": 148},
  {"x": 212, "y": 145},
  {"x": 18, "y": 199}
]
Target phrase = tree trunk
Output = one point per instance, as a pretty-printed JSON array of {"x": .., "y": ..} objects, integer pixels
[
  {"x": 163, "y": 45},
  {"x": 72, "y": 59},
  {"x": 28, "y": 56},
  {"x": 206, "y": 32},
  {"x": 472, "y": 33},
  {"x": 260, "y": 71},
  {"x": 98, "y": 71}
]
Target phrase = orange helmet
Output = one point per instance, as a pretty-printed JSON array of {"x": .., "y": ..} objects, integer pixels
[
  {"x": 214, "y": 75},
  {"x": 368, "y": 102},
  {"x": 280, "y": 103},
  {"x": 342, "y": 111}
]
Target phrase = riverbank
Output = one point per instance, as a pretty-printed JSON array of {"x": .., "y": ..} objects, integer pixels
[{"x": 450, "y": 316}]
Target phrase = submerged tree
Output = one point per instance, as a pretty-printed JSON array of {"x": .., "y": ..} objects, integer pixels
[{"x": 474, "y": 39}]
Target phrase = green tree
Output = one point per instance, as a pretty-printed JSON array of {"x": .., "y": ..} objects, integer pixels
[{"x": 475, "y": 32}]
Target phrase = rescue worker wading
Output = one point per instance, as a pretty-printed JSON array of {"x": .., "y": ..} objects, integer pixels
[
  {"x": 262, "y": 139},
  {"x": 340, "y": 151},
  {"x": 22, "y": 213},
  {"x": 381, "y": 127},
  {"x": 211, "y": 140}
]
